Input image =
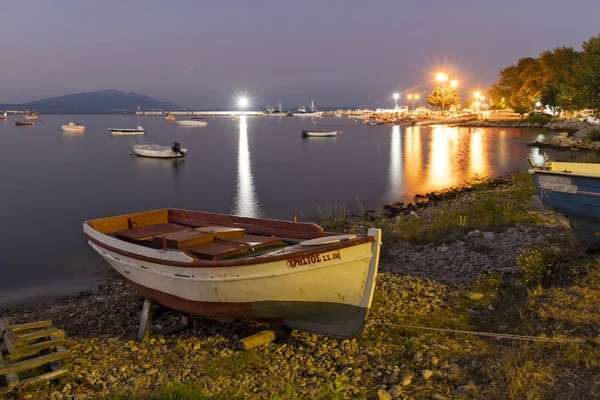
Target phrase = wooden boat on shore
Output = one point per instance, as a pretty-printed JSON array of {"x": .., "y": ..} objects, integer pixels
[
  {"x": 228, "y": 267},
  {"x": 572, "y": 189},
  {"x": 158, "y": 151},
  {"x": 24, "y": 123},
  {"x": 73, "y": 128},
  {"x": 127, "y": 131},
  {"x": 319, "y": 133}
]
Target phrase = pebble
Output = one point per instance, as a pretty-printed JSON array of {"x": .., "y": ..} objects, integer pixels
[
  {"x": 426, "y": 374},
  {"x": 383, "y": 395}
]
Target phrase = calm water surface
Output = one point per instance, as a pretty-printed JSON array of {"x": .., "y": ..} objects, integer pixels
[{"x": 256, "y": 166}]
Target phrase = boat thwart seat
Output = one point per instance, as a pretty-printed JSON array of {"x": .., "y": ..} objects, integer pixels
[{"x": 147, "y": 232}]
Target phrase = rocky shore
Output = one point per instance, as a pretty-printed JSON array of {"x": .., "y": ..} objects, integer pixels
[
  {"x": 575, "y": 128},
  {"x": 422, "y": 284}
]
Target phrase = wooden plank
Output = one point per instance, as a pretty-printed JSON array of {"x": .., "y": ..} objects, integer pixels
[
  {"x": 10, "y": 341},
  {"x": 12, "y": 379},
  {"x": 147, "y": 232},
  {"x": 34, "y": 362},
  {"x": 26, "y": 338},
  {"x": 146, "y": 321},
  {"x": 222, "y": 232},
  {"x": 121, "y": 222},
  {"x": 4, "y": 325},
  {"x": 31, "y": 325},
  {"x": 261, "y": 338},
  {"x": 256, "y": 242},
  {"x": 148, "y": 220},
  {"x": 49, "y": 376},
  {"x": 180, "y": 239},
  {"x": 26, "y": 351},
  {"x": 218, "y": 250}
]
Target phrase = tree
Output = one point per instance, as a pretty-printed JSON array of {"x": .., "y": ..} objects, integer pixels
[
  {"x": 587, "y": 75},
  {"x": 444, "y": 96}
]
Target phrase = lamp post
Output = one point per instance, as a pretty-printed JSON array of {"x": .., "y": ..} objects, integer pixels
[
  {"x": 442, "y": 78},
  {"x": 396, "y": 96},
  {"x": 243, "y": 104},
  {"x": 413, "y": 97},
  {"x": 477, "y": 96}
]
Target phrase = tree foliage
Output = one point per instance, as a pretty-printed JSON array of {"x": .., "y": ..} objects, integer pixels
[
  {"x": 444, "y": 96},
  {"x": 562, "y": 79}
]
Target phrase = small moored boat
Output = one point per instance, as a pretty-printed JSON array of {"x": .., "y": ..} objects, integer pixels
[
  {"x": 24, "y": 123},
  {"x": 4, "y": 116},
  {"x": 572, "y": 189},
  {"x": 158, "y": 151},
  {"x": 73, "y": 128},
  {"x": 196, "y": 121},
  {"x": 32, "y": 115},
  {"x": 126, "y": 131},
  {"x": 227, "y": 267},
  {"x": 319, "y": 133}
]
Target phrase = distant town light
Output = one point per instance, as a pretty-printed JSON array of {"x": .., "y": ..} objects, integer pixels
[
  {"x": 477, "y": 95},
  {"x": 538, "y": 104},
  {"x": 454, "y": 84},
  {"x": 243, "y": 102},
  {"x": 417, "y": 96},
  {"x": 441, "y": 77}
]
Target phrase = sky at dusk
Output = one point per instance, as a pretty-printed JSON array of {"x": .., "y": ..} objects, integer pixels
[{"x": 335, "y": 52}]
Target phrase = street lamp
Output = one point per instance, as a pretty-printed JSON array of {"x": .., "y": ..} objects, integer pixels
[
  {"x": 413, "y": 97},
  {"x": 396, "y": 96},
  {"x": 477, "y": 96},
  {"x": 243, "y": 103},
  {"x": 442, "y": 78}
]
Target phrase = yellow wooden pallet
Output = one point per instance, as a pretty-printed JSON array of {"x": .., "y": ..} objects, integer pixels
[{"x": 36, "y": 348}]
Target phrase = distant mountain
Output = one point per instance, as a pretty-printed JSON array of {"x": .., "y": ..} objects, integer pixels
[{"x": 102, "y": 101}]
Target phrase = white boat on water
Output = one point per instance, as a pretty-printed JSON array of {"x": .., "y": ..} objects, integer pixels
[
  {"x": 158, "y": 151},
  {"x": 73, "y": 128},
  {"x": 196, "y": 121},
  {"x": 319, "y": 133},
  {"x": 127, "y": 131},
  {"x": 313, "y": 111},
  {"x": 228, "y": 267}
]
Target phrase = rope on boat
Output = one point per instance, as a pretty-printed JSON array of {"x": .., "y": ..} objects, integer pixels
[{"x": 489, "y": 334}]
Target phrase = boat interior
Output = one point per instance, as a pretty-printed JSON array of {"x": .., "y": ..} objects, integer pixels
[
  {"x": 575, "y": 168},
  {"x": 210, "y": 236}
]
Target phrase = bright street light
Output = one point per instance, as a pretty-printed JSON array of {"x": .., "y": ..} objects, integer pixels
[
  {"x": 441, "y": 77},
  {"x": 454, "y": 84},
  {"x": 396, "y": 96},
  {"x": 477, "y": 95},
  {"x": 243, "y": 102},
  {"x": 538, "y": 104}
]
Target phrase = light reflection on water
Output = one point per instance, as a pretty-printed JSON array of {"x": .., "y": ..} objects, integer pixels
[{"x": 246, "y": 199}]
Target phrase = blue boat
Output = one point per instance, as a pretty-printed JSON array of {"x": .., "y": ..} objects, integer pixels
[{"x": 572, "y": 189}]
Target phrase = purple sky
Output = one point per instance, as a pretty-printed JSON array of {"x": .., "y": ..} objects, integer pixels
[{"x": 335, "y": 52}]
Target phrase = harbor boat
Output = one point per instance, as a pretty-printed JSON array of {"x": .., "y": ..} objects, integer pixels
[
  {"x": 196, "y": 121},
  {"x": 73, "y": 128},
  {"x": 404, "y": 121},
  {"x": 313, "y": 111},
  {"x": 276, "y": 112},
  {"x": 572, "y": 189},
  {"x": 32, "y": 115},
  {"x": 170, "y": 117},
  {"x": 228, "y": 267},
  {"x": 4, "y": 116},
  {"x": 24, "y": 123},
  {"x": 319, "y": 133},
  {"x": 158, "y": 151},
  {"x": 373, "y": 121},
  {"x": 128, "y": 131}
]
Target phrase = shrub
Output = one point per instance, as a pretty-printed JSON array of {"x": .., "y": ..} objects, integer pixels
[
  {"x": 536, "y": 264},
  {"x": 489, "y": 282},
  {"x": 538, "y": 119},
  {"x": 594, "y": 135}
]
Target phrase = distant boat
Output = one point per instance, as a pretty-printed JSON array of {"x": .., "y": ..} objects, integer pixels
[
  {"x": 31, "y": 115},
  {"x": 196, "y": 121},
  {"x": 373, "y": 121},
  {"x": 158, "y": 151},
  {"x": 404, "y": 121},
  {"x": 170, "y": 117},
  {"x": 313, "y": 111},
  {"x": 126, "y": 131},
  {"x": 572, "y": 189},
  {"x": 24, "y": 123},
  {"x": 319, "y": 133},
  {"x": 73, "y": 128},
  {"x": 4, "y": 116},
  {"x": 278, "y": 112}
]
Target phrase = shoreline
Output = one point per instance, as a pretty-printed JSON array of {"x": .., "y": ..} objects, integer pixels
[{"x": 443, "y": 281}]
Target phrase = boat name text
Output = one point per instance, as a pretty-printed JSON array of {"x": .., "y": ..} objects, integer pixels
[{"x": 315, "y": 259}]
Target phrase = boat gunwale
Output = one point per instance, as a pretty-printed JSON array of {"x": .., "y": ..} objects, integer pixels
[
  {"x": 552, "y": 172},
  {"x": 200, "y": 263}
]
